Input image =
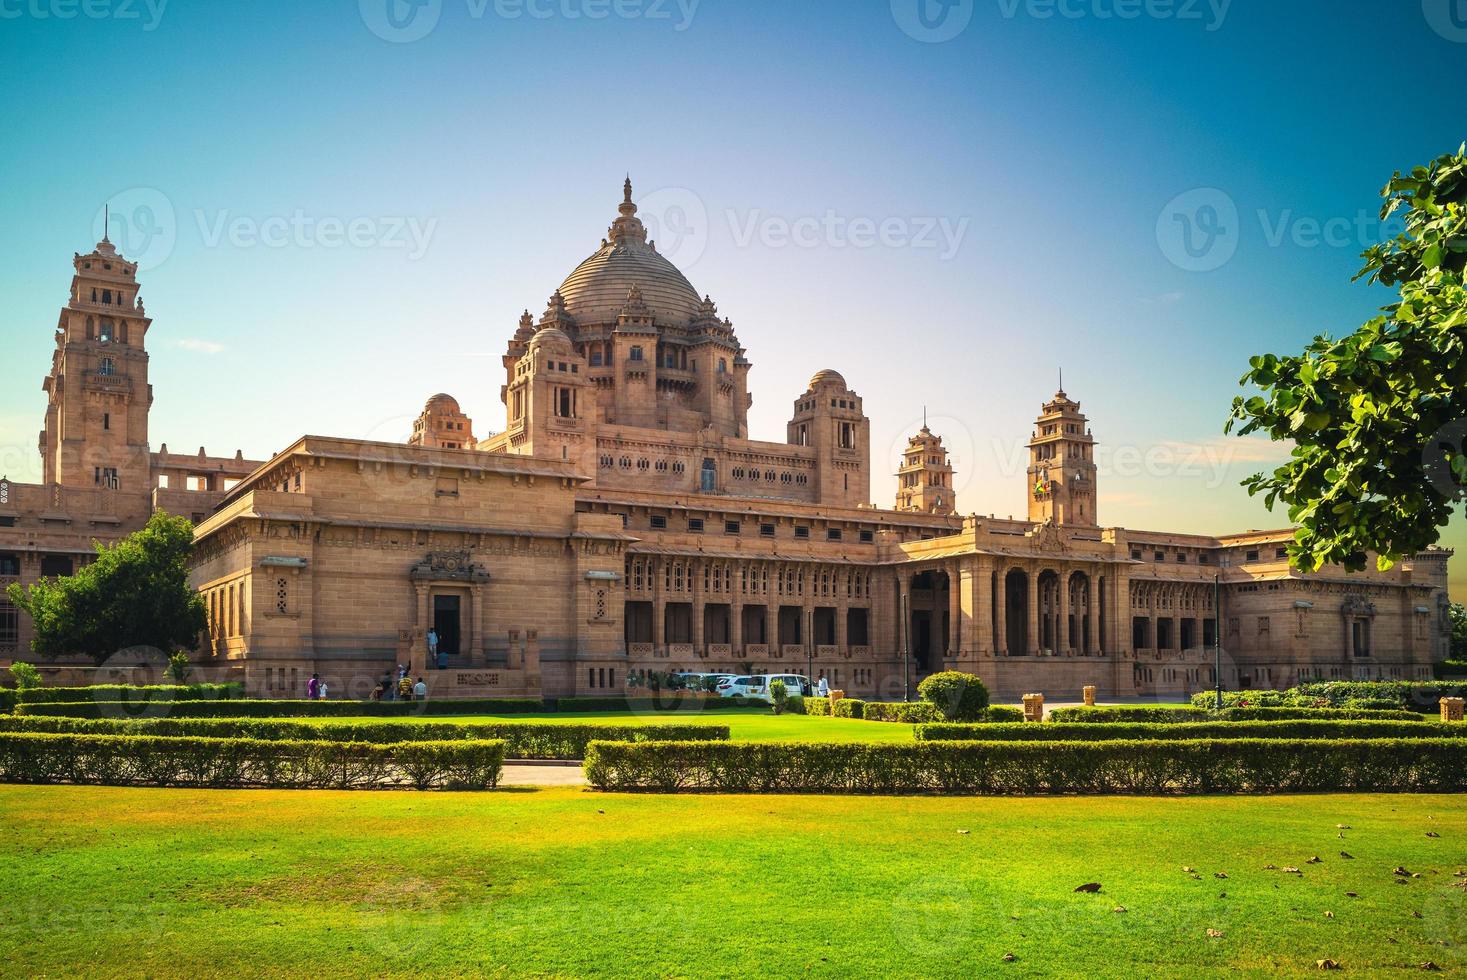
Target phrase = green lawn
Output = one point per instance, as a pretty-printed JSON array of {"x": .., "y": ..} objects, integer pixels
[
  {"x": 571, "y": 882},
  {"x": 745, "y": 724}
]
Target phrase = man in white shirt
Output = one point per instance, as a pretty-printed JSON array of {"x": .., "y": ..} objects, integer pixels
[{"x": 420, "y": 691}]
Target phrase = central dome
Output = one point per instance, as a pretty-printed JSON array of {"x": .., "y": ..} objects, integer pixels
[{"x": 597, "y": 290}]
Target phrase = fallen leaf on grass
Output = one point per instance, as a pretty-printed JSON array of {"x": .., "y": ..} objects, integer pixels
[
  {"x": 1432, "y": 833},
  {"x": 1342, "y": 826},
  {"x": 1090, "y": 888},
  {"x": 965, "y": 831},
  {"x": 1292, "y": 871},
  {"x": 1327, "y": 964},
  {"x": 1315, "y": 860},
  {"x": 1220, "y": 874},
  {"x": 1214, "y": 934},
  {"x": 1009, "y": 957},
  {"x": 1329, "y": 915},
  {"x": 1119, "y": 908},
  {"x": 1188, "y": 869},
  {"x": 1347, "y": 855},
  {"x": 1401, "y": 871},
  {"x": 1429, "y": 965}
]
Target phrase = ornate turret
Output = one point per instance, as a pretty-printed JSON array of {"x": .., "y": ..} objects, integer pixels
[
  {"x": 1062, "y": 470},
  {"x": 627, "y": 225},
  {"x": 925, "y": 479}
]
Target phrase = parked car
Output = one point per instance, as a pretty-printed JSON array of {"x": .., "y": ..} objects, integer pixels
[
  {"x": 796, "y": 685},
  {"x": 736, "y": 687}
]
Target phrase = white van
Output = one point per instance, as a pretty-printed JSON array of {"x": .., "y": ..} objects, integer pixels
[{"x": 795, "y": 685}]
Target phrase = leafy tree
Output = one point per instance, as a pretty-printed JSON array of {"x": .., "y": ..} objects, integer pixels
[
  {"x": 135, "y": 594},
  {"x": 957, "y": 695},
  {"x": 1459, "y": 631},
  {"x": 178, "y": 667},
  {"x": 26, "y": 675},
  {"x": 1378, "y": 417}
]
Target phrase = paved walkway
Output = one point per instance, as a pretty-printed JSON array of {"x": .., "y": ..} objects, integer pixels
[{"x": 542, "y": 774}]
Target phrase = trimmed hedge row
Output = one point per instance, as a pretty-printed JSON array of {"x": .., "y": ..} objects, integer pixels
[
  {"x": 1334, "y": 714},
  {"x": 132, "y": 760},
  {"x": 1119, "y": 714},
  {"x": 672, "y": 701},
  {"x": 8, "y": 696},
  {"x": 522, "y": 740},
  {"x": 1154, "y": 731},
  {"x": 130, "y": 692},
  {"x": 891, "y": 712},
  {"x": 1423, "y": 696},
  {"x": 284, "y": 709},
  {"x": 1116, "y": 766},
  {"x": 908, "y": 712}
]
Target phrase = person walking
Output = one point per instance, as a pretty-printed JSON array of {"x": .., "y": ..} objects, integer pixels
[
  {"x": 420, "y": 691},
  {"x": 433, "y": 648},
  {"x": 313, "y": 687},
  {"x": 823, "y": 689},
  {"x": 321, "y": 692},
  {"x": 404, "y": 688}
]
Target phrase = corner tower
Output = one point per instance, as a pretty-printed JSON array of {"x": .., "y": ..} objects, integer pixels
[
  {"x": 829, "y": 418},
  {"x": 98, "y": 395},
  {"x": 1062, "y": 465},
  {"x": 925, "y": 479}
]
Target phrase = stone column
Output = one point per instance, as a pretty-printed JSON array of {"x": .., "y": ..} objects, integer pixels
[
  {"x": 699, "y": 599},
  {"x": 659, "y": 610},
  {"x": 955, "y": 610},
  {"x": 1092, "y": 615},
  {"x": 1001, "y": 612},
  {"x": 476, "y": 628},
  {"x": 1033, "y": 639},
  {"x": 736, "y": 608},
  {"x": 1062, "y": 614}
]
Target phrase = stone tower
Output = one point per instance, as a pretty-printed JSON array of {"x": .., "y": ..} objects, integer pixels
[
  {"x": 98, "y": 395},
  {"x": 1062, "y": 465},
  {"x": 551, "y": 402},
  {"x": 443, "y": 425},
  {"x": 925, "y": 480},
  {"x": 829, "y": 417}
]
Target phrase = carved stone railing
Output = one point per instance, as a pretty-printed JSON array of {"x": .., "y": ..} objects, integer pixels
[
  {"x": 791, "y": 650},
  {"x": 827, "y": 650},
  {"x": 721, "y": 650},
  {"x": 756, "y": 650},
  {"x": 682, "y": 651},
  {"x": 639, "y": 649},
  {"x": 858, "y": 651}
]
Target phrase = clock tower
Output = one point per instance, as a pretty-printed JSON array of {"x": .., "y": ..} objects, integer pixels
[{"x": 1062, "y": 465}]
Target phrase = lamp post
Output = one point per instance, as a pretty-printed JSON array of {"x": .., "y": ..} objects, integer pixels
[{"x": 906, "y": 646}]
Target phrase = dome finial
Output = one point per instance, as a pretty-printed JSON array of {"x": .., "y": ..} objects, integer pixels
[
  {"x": 626, "y": 190},
  {"x": 627, "y": 226}
]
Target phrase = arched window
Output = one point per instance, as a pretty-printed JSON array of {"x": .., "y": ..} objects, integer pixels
[{"x": 107, "y": 369}]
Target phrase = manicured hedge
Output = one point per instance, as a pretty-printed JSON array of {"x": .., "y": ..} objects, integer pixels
[
  {"x": 910, "y": 712},
  {"x": 1114, "y": 714},
  {"x": 1417, "y": 695},
  {"x": 285, "y": 709},
  {"x": 849, "y": 708},
  {"x": 1117, "y": 766},
  {"x": 1452, "y": 668},
  {"x": 123, "y": 760},
  {"x": 1323, "y": 714},
  {"x": 817, "y": 706},
  {"x": 131, "y": 692},
  {"x": 8, "y": 698},
  {"x": 522, "y": 740},
  {"x": 1158, "y": 731},
  {"x": 672, "y": 701},
  {"x": 1002, "y": 715}
]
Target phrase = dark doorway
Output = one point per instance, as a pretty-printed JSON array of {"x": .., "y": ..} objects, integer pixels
[
  {"x": 922, "y": 639},
  {"x": 1016, "y": 612},
  {"x": 446, "y": 614}
]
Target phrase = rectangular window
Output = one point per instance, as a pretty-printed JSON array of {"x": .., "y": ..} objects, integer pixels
[
  {"x": 1181, "y": 558},
  {"x": 1159, "y": 556},
  {"x": 867, "y": 537},
  {"x": 832, "y": 534},
  {"x": 731, "y": 527},
  {"x": 802, "y": 533},
  {"x": 659, "y": 523},
  {"x": 766, "y": 530},
  {"x": 9, "y": 624},
  {"x": 7, "y": 522},
  {"x": 1204, "y": 559},
  {"x": 695, "y": 525},
  {"x": 54, "y": 566},
  {"x": 106, "y": 421},
  {"x": 1281, "y": 553},
  {"x": 9, "y": 565},
  {"x": 1135, "y": 554},
  {"x": 1251, "y": 556}
]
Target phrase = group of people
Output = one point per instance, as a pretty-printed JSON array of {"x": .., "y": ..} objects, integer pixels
[
  {"x": 315, "y": 688},
  {"x": 400, "y": 687}
]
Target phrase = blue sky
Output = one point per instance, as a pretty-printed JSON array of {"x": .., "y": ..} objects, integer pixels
[{"x": 337, "y": 221}]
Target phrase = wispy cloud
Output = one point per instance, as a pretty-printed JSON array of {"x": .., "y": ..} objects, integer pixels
[
  {"x": 1163, "y": 299},
  {"x": 200, "y": 346}
]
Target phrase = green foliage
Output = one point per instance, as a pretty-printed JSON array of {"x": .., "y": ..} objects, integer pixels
[
  {"x": 522, "y": 740},
  {"x": 25, "y": 675},
  {"x": 1322, "y": 714},
  {"x": 135, "y": 594},
  {"x": 1128, "y": 713},
  {"x": 671, "y": 701},
  {"x": 956, "y": 695},
  {"x": 849, "y": 708},
  {"x": 1243, "y": 765},
  {"x": 7, "y": 699},
  {"x": 1452, "y": 668},
  {"x": 1458, "y": 614},
  {"x": 132, "y": 692},
  {"x": 907, "y": 712},
  {"x": 779, "y": 695},
  {"x": 178, "y": 667},
  {"x": 1377, "y": 417},
  {"x": 1161, "y": 731},
  {"x": 1003, "y": 714},
  {"x": 817, "y": 706},
  {"x": 1413, "y": 695},
  {"x": 119, "y": 760},
  {"x": 288, "y": 709},
  {"x": 1242, "y": 699},
  {"x": 795, "y": 704}
]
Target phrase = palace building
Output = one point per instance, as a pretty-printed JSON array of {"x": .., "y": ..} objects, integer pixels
[{"x": 624, "y": 521}]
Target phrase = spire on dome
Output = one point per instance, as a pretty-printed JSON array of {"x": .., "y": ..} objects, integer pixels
[{"x": 628, "y": 225}]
